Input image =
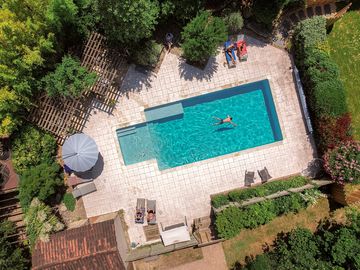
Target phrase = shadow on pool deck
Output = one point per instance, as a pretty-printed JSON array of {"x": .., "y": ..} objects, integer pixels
[{"x": 189, "y": 72}]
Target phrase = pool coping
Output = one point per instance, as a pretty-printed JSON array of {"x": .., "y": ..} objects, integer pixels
[{"x": 221, "y": 157}]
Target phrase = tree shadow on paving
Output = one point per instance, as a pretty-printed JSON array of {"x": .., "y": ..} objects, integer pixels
[
  {"x": 189, "y": 72},
  {"x": 95, "y": 171},
  {"x": 137, "y": 79}
]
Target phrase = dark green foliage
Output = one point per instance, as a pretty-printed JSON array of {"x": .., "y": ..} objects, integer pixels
[
  {"x": 32, "y": 147},
  {"x": 266, "y": 12},
  {"x": 69, "y": 201},
  {"x": 182, "y": 10},
  {"x": 261, "y": 262},
  {"x": 41, "y": 181},
  {"x": 260, "y": 191},
  {"x": 333, "y": 246},
  {"x": 128, "y": 21},
  {"x": 219, "y": 200},
  {"x": 11, "y": 257},
  {"x": 147, "y": 54},
  {"x": 69, "y": 79},
  {"x": 202, "y": 36},
  {"x": 231, "y": 220},
  {"x": 234, "y": 22}
]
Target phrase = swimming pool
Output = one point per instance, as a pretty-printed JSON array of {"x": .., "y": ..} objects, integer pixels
[{"x": 183, "y": 132}]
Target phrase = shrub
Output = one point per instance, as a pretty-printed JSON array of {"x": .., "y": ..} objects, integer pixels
[
  {"x": 234, "y": 22},
  {"x": 248, "y": 193},
  {"x": 202, "y": 37},
  {"x": 147, "y": 54},
  {"x": 69, "y": 79},
  {"x": 40, "y": 181},
  {"x": 219, "y": 200},
  {"x": 333, "y": 131},
  {"x": 69, "y": 201},
  {"x": 31, "y": 148},
  {"x": 11, "y": 256},
  {"x": 261, "y": 262},
  {"x": 182, "y": 10},
  {"x": 40, "y": 222},
  {"x": 343, "y": 163},
  {"x": 231, "y": 220}
]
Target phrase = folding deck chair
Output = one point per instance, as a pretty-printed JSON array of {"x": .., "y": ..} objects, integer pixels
[
  {"x": 249, "y": 178},
  {"x": 264, "y": 175}
]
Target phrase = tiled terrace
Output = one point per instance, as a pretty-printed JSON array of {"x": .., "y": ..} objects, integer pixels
[{"x": 185, "y": 190}]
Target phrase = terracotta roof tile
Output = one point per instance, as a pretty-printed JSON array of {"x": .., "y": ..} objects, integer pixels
[{"x": 91, "y": 246}]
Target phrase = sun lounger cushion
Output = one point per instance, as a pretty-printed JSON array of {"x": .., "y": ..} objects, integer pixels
[{"x": 84, "y": 189}]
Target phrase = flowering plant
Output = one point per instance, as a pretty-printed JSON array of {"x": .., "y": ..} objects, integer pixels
[{"x": 343, "y": 163}]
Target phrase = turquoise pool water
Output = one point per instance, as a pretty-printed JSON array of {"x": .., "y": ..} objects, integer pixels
[{"x": 191, "y": 136}]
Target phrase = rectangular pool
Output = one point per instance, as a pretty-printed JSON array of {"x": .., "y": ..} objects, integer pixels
[{"x": 185, "y": 132}]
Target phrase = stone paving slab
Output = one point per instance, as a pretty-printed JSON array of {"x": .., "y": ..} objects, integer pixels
[{"x": 185, "y": 191}]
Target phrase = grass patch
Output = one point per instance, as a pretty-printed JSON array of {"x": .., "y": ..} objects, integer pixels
[
  {"x": 344, "y": 42},
  {"x": 251, "y": 242}
]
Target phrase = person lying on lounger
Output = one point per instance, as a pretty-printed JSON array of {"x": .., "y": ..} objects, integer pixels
[
  {"x": 228, "y": 119},
  {"x": 228, "y": 50}
]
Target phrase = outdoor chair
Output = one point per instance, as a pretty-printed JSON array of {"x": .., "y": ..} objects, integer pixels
[
  {"x": 264, "y": 175},
  {"x": 249, "y": 178},
  {"x": 83, "y": 189},
  {"x": 140, "y": 211},
  {"x": 151, "y": 212}
]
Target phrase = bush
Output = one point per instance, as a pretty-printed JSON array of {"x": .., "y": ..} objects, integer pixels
[
  {"x": 182, "y": 10},
  {"x": 231, "y": 220},
  {"x": 202, "y": 37},
  {"x": 147, "y": 54},
  {"x": 234, "y": 22},
  {"x": 343, "y": 163},
  {"x": 259, "y": 191},
  {"x": 31, "y": 148},
  {"x": 261, "y": 262},
  {"x": 40, "y": 181},
  {"x": 219, "y": 200},
  {"x": 69, "y": 79},
  {"x": 11, "y": 256},
  {"x": 69, "y": 201},
  {"x": 40, "y": 222}
]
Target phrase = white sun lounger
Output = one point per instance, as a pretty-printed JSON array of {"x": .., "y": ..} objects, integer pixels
[{"x": 83, "y": 189}]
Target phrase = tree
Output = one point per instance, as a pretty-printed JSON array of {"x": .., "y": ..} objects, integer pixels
[
  {"x": 69, "y": 79},
  {"x": 234, "y": 22},
  {"x": 128, "y": 21},
  {"x": 41, "y": 181},
  {"x": 32, "y": 147},
  {"x": 40, "y": 222},
  {"x": 202, "y": 37},
  {"x": 9, "y": 106},
  {"x": 182, "y": 10},
  {"x": 11, "y": 257}
]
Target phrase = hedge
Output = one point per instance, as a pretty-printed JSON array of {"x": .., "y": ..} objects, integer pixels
[
  {"x": 259, "y": 191},
  {"x": 323, "y": 87},
  {"x": 232, "y": 220}
]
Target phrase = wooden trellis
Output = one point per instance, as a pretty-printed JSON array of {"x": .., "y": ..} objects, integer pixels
[
  {"x": 63, "y": 117},
  {"x": 109, "y": 64}
]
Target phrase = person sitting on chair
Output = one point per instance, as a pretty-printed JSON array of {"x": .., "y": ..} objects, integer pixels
[{"x": 229, "y": 50}]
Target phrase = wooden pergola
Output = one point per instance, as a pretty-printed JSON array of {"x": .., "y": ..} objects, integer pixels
[{"x": 65, "y": 116}]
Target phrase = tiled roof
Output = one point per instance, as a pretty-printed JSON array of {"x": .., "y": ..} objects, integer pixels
[{"x": 88, "y": 247}]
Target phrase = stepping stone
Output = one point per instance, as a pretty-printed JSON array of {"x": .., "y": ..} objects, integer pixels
[
  {"x": 301, "y": 15},
  {"x": 327, "y": 9},
  {"x": 294, "y": 19},
  {"x": 310, "y": 12},
  {"x": 318, "y": 10}
]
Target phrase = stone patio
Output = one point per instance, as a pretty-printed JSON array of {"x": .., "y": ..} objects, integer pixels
[{"x": 185, "y": 191}]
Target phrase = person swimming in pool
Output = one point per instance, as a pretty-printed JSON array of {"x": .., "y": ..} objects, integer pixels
[{"x": 228, "y": 119}]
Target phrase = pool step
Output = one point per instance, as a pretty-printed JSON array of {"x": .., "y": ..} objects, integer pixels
[
  {"x": 125, "y": 131},
  {"x": 164, "y": 112}
]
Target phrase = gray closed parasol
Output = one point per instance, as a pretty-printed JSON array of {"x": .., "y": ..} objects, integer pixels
[{"x": 80, "y": 152}]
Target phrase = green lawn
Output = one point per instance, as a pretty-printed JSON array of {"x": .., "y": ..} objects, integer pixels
[
  {"x": 251, "y": 242},
  {"x": 344, "y": 40}
]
